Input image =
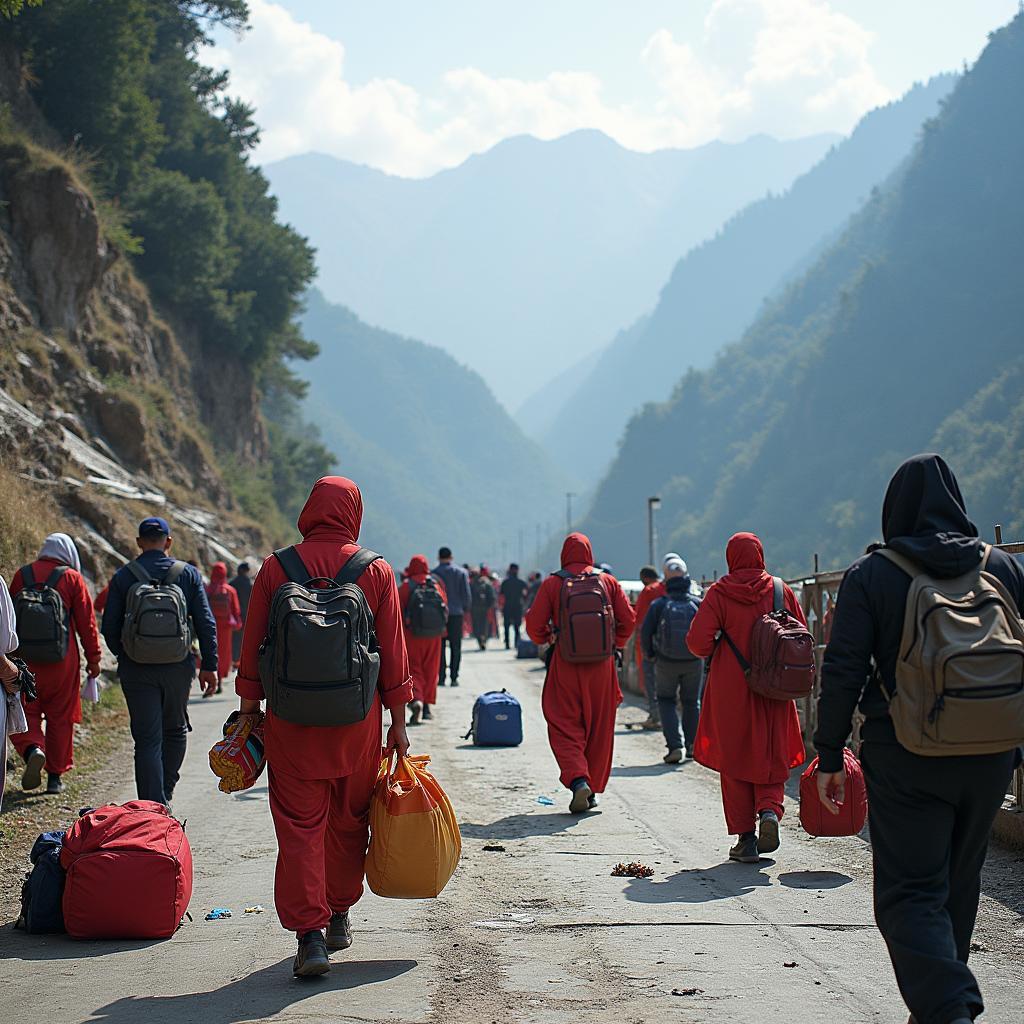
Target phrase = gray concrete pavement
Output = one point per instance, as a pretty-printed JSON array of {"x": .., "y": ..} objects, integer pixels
[{"x": 534, "y": 929}]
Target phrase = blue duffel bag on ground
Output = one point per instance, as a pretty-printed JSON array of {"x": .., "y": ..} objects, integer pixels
[
  {"x": 526, "y": 648},
  {"x": 42, "y": 894},
  {"x": 497, "y": 720}
]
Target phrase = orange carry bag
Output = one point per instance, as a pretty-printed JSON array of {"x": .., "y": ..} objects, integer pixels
[{"x": 415, "y": 843}]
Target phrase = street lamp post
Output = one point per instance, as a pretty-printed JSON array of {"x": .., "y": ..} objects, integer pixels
[{"x": 653, "y": 504}]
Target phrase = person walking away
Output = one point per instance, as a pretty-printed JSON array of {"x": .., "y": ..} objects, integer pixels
[
  {"x": 456, "y": 588},
  {"x": 156, "y": 665},
  {"x": 227, "y": 614},
  {"x": 750, "y": 740},
  {"x": 930, "y": 814},
  {"x": 678, "y": 674},
  {"x": 425, "y": 620},
  {"x": 321, "y": 776},
  {"x": 242, "y": 583},
  {"x": 10, "y": 686},
  {"x": 513, "y": 594},
  {"x": 653, "y": 589},
  {"x": 53, "y": 606},
  {"x": 587, "y": 617},
  {"x": 531, "y": 591},
  {"x": 484, "y": 600}
]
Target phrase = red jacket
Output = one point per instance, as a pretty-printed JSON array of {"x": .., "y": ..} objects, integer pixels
[
  {"x": 329, "y": 524},
  {"x": 223, "y": 598},
  {"x": 742, "y": 734}
]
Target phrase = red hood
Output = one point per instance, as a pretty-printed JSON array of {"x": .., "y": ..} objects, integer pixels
[
  {"x": 333, "y": 511},
  {"x": 577, "y": 551},
  {"x": 219, "y": 573},
  {"x": 747, "y": 581},
  {"x": 417, "y": 566}
]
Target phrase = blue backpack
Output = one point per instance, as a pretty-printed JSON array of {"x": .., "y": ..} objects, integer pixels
[
  {"x": 673, "y": 626},
  {"x": 497, "y": 720},
  {"x": 42, "y": 893}
]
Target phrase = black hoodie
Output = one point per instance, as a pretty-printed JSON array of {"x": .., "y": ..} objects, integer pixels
[{"x": 924, "y": 518}]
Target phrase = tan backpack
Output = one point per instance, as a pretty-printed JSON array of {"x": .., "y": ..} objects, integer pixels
[{"x": 960, "y": 670}]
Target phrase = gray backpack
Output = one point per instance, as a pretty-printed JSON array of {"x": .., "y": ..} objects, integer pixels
[
  {"x": 960, "y": 672},
  {"x": 42, "y": 619},
  {"x": 155, "y": 629},
  {"x": 319, "y": 662}
]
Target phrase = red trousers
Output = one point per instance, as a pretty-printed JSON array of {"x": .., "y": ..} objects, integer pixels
[
  {"x": 323, "y": 828},
  {"x": 424, "y": 666},
  {"x": 61, "y": 705},
  {"x": 224, "y": 648},
  {"x": 743, "y": 801}
]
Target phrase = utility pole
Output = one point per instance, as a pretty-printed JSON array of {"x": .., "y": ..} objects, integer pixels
[
  {"x": 653, "y": 504},
  {"x": 568, "y": 511}
]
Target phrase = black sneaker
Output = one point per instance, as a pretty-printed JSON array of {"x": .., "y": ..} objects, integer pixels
[
  {"x": 581, "y": 794},
  {"x": 53, "y": 783},
  {"x": 311, "y": 958},
  {"x": 593, "y": 801},
  {"x": 768, "y": 832},
  {"x": 454, "y": 682},
  {"x": 32, "y": 776},
  {"x": 745, "y": 851},
  {"x": 339, "y": 932},
  {"x": 427, "y": 713},
  {"x": 415, "y": 712}
]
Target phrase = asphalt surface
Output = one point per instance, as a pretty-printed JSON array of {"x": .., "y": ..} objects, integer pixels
[{"x": 533, "y": 927}]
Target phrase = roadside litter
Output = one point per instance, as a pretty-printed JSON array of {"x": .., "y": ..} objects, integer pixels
[
  {"x": 632, "y": 870},
  {"x": 254, "y": 910},
  {"x": 218, "y": 914},
  {"x": 545, "y": 801}
]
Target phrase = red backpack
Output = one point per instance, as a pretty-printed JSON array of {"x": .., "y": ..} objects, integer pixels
[
  {"x": 781, "y": 665},
  {"x": 816, "y": 820},
  {"x": 586, "y": 623},
  {"x": 129, "y": 872},
  {"x": 220, "y": 603}
]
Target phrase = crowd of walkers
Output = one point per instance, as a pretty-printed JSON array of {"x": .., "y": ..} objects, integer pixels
[{"x": 931, "y": 807}]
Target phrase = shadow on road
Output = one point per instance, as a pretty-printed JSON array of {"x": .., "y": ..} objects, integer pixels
[
  {"x": 699, "y": 885},
  {"x": 17, "y": 945},
  {"x": 637, "y": 770},
  {"x": 813, "y": 879},
  {"x": 519, "y": 826},
  {"x": 258, "y": 996}
]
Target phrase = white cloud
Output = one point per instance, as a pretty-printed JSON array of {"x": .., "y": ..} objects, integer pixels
[{"x": 786, "y": 67}]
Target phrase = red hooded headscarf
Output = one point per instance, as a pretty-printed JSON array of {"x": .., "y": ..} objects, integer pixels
[
  {"x": 219, "y": 573},
  {"x": 333, "y": 511},
  {"x": 417, "y": 566},
  {"x": 577, "y": 550},
  {"x": 747, "y": 581}
]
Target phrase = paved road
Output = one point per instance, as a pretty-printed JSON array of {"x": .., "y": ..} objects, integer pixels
[{"x": 536, "y": 931}]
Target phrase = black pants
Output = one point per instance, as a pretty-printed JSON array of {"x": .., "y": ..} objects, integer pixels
[
  {"x": 455, "y": 642},
  {"x": 513, "y": 620},
  {"x": 678, "y": 682},
  {"x": 930, "y": 822},
  {"x": 157, "y": 699}
]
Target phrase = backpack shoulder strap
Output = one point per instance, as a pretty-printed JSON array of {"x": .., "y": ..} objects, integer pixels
[
  {"x": 356, "y": 566},
  {"x": 984, "y": 558},
  {"x": 291, "y": 561},
  {"x": 54, "y": 578},
  {"x": 744, "y": 664},
  {"x": 140, "y": 574},
  {"x": 173, "y": 574},
  {"x": 563, "y": 574},
  {"x": 901, "y": 561},
  {"x": 778, "y": 594},
  {"x": 28, "y": 578}
]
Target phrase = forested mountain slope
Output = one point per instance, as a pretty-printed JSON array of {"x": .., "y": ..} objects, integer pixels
[
  {"x": 524, "y": 258},
  {"x": 438, "y": 459},
  {"x": 907, "y": 335},
  {"x": 716, "y": 289}
]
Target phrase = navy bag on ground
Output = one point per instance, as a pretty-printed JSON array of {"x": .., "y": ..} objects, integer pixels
[
  {"x": 497, "y": 720},
  {"x": 42, "y": 893},
  {"x": 526, "y": 648}
]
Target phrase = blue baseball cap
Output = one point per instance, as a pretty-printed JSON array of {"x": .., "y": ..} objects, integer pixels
[{"x": 153, "y": 527}]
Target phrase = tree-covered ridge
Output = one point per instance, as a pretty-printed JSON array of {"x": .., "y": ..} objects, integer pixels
[
  {"x": 905, "y": 336},
  {"x": 122, "y": 81}
]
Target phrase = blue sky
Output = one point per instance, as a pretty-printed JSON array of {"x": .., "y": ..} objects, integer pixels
[{"x": 411, "y": 86}]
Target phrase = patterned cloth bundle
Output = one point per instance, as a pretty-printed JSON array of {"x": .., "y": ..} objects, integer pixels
[{"x": 238, "y": 759}]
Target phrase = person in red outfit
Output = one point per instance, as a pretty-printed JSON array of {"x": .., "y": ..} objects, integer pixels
[
  {"x": 750, "y": 740},
  {"x": 321, "y": 777},
  {"x": 424, "y": 651},
  {"x": 654, "y": 587},
  {"x": 227, "y": 613},
  {"x": 58, "y": 683},
  {"x": 580, "y": 700}
]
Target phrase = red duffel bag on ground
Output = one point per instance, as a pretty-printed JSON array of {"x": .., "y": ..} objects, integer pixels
[
  {"x": 129, "y": 872},
  {"x": 816, "y": 819}
]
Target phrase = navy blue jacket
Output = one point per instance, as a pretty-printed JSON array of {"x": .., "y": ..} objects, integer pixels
[
  {"x": 678, "y": 589},
  {"x": 156, "y": 563},
  {"x": 456, "y": 586}
]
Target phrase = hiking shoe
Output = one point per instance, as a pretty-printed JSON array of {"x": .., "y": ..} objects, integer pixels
[
  {"x": 454, "y": 682},
  {"x": 674, "y": 756},
  {"x": 581, "y": 794},
  {"x": 219, "y": 688},
  {"x": 32, "y": 776},
  {"x": 311, "y": 958},
  {"x": 416, "y": 709},
  {"x": 593, "y": 801},
  {"x": 427, "y": 713},
  {"x": 768, "y": 832},
  {"x": 745, "y": 851},
  {"x": 339, "y": 932},
  {"x": 689, "y": 755},
  {"x": 650, "y": 723},
  {"x": 53, "y": 783}
]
